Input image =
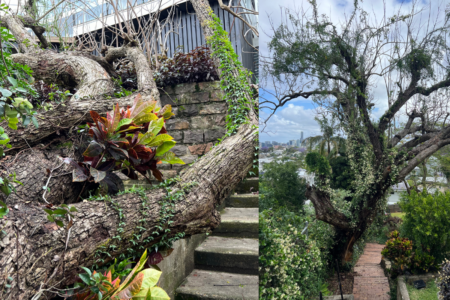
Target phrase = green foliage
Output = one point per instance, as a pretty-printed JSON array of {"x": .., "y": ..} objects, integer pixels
[
  {"x": 6, "y": 182},
  {"x": 290, "y": 265},
  {"x": 140, "y": 284},
  {"x": 4, "y": 210},
  {"x": 342, "y": 175},
  {"x": 129, "y": 140},
  {"x": 15, "y": 84},
  {"x": 418, "y": 63},
  {"x": 59, "y": 214},
  {"x": 400, "y": 251},
  {"x": 282, "y": 186},
  {"x": 234, "y": 78},
  {"x": 318, "y": 163},
  {"x": 427, "y": 221}
]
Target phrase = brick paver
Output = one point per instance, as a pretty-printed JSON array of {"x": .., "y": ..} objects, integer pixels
[{"x": 370, "y": 282}]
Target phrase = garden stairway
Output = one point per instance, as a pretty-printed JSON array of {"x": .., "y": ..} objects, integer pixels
[
  {"x": 226, "y": 263},
  {"x": 370, "y": 281}
]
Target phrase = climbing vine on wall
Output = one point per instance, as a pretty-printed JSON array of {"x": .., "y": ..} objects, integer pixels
[{"x": 234, "y": 78}]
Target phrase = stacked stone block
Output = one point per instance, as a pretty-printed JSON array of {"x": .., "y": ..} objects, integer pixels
[{"x": 200, "y": 112}]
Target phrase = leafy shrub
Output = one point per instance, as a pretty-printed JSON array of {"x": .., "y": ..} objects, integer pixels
[
  {"x": 443, "y": 281},
  {"x": 290, "y": 265},
  {"x": 400, "y": 251},
  {"x": 128, "y": 140},
  {"x": 282, "y": 186},
  {"x": 427, "y": 222},
  {"x": 139, "y": 284},
  {"x": 15, "y": 83},
  {"x": 195, "y": 66}
]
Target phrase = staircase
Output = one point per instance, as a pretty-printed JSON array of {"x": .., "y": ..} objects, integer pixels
[{"x": 226, "y": 263}]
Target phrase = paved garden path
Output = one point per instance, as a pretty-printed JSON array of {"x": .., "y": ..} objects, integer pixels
[{"x": 370, "y": 282}]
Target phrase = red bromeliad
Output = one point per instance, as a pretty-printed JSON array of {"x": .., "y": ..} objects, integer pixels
[{"x": 131, "y": 139}]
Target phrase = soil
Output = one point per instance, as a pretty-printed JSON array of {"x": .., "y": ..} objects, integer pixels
[{"x": 346, "y": 282}]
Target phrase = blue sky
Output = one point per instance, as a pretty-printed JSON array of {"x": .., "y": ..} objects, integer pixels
[{"x": 298, "y": 115}]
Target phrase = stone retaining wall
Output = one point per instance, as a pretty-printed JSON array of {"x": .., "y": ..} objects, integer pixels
[{"x": 200, "y": 112}]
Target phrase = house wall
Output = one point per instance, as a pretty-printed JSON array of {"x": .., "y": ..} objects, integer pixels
[{"x": 185, "y": 37}]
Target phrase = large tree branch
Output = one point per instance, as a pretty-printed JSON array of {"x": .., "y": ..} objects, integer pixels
[
  {"x": 325, "y": 210},
  {"x": 23, "y": 38},
  {"x": 404, "y": 96},
  {"x": 144, "y": 73},
  {"x": 420, "y": 156},
  {"x": 65, "y": 118},
  {"x": 407, "y": 130}
]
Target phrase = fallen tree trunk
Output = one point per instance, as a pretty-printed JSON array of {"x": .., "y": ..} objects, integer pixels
[{"x": 33, "y": 247}]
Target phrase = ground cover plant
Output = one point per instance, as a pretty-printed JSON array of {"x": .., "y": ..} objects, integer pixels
[{"x": 428, "y": 293}]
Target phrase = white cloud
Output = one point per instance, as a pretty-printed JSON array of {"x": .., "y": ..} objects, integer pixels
[{"x": 288, "y": 123}]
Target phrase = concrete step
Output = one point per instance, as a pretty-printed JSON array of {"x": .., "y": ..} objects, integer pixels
[
  {"x": 209, "y": 285},
  {"x": 238, "y": 222},
  {"x": 234, "y": 255},
  {"x": 248, "y": 185},
  {"x": 242, "y": 200}
]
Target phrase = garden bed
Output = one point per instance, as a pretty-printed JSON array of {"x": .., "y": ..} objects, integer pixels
[
  {"x": 405, "y": 287},
  {"x": 346, "y": 282}
]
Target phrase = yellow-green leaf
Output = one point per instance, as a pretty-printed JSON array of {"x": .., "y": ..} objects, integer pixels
[
  {"x": 151, "y": 277},
  {"x": 123, "y": 122},
  {"x": 144, "y": 294},
  {"x": 159, "y": 294},
  {"x": 145, "y": 118},
  {"x": 159, "y": 139},
  {"x": 166, "y": 146},
  {"x": 170, "y": 158},
  {"x": 155, "y": 126}
]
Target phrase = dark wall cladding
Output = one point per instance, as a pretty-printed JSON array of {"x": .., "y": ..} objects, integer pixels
[{"x": 190, "y": 33}]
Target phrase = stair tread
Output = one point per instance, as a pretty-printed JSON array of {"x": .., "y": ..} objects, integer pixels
[
  {"x": 218, "y": 285},
  {"x": 242, "y": 215},
  {"x": 248, "y": 195},
  {"x": 248, "y": 185},
  {"x": 226, "y": 245}
]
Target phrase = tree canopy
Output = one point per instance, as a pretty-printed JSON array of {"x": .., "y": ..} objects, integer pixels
[{"x": 338, "y": 65}]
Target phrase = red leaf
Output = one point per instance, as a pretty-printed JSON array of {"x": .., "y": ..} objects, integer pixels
[
  {"x": 132, "y": 153},
  {"x": 158, "y": 175},
  {"x": 93, "y": 149},
  {"x": 154, "y": 258},
  {"x": 130, "y": 173}
]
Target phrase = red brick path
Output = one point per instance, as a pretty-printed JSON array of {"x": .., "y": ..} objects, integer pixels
[{"x": 370, "y": 282}]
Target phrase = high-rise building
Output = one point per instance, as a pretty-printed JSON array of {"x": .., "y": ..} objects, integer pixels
[{"x": 301, "y": 137}]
